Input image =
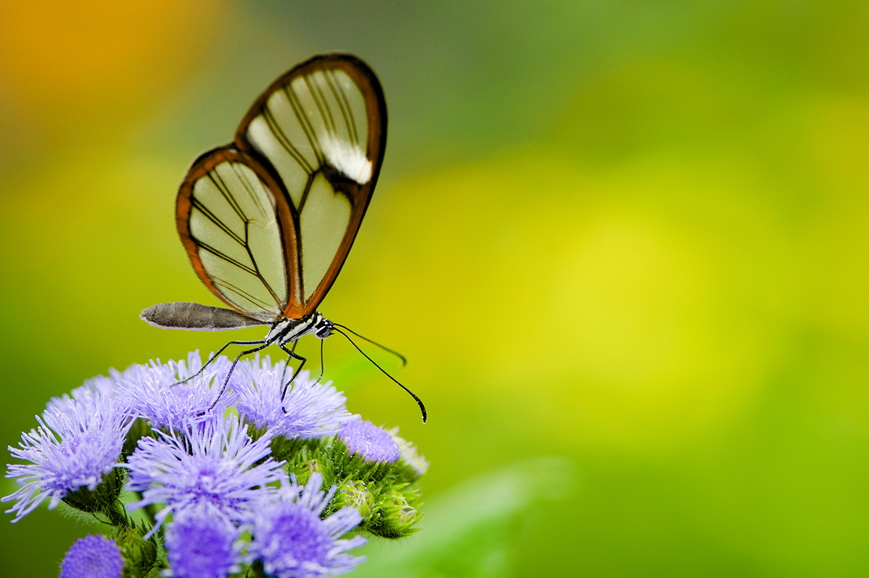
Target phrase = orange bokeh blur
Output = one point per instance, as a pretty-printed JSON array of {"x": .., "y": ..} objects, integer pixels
[{"x": 67, "y": 59}]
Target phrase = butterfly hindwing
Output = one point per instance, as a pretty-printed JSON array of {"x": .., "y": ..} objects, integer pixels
[{"x": 239, "y": 232}]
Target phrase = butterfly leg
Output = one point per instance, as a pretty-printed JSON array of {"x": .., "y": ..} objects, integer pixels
[
  {"x": 293, "y": 355},
  {"x": 261, "y": 345},
  {"x": 213, "y": 357}
]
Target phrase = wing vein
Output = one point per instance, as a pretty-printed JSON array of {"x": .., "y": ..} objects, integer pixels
[
  {"x": 221, "y": 255},
  {"x": 305, "y": 123},
  {"x": 320, "y": 100},
  {"x": 344, "y": 106},
  {"x": 284, "y": 141},
  {"x": 197, "y": 204},
  {"x": 241, "y": 293},
  {"x": 244, "y": 179},
  {"x": 258, "y": 274},
  {"x": 306, "y": 191},
  {"x": 221, "y": 185}
]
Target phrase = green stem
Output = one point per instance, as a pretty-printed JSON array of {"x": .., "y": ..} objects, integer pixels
[{"x": 117, "y": 514}]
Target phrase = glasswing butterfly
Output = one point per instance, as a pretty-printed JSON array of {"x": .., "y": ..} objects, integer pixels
[{"x": 268, "y": 219}]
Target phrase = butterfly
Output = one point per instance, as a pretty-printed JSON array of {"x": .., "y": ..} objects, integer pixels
[{"x": 268, "y": 219}]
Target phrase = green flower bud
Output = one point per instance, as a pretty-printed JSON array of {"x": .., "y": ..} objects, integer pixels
[
  {"x": 397, "y": 513},
  {"x": 140, "y": 556},
  {"x": 354, "y": 494}
]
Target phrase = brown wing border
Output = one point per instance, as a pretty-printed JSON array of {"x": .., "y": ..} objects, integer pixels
[
  {"x": 286, "y": 225},
  {"x": 359, "y": 195}
]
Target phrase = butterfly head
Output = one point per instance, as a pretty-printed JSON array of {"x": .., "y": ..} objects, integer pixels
[{"x": 322, "y": 328}]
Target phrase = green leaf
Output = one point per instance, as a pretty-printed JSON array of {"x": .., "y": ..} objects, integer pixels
[{"x": 469, "y": 531}]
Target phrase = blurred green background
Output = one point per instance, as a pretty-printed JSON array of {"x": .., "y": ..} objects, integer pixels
[{"x": 623, "y": 244}]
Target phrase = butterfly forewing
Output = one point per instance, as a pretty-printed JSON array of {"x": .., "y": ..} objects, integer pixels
[
  {"x": 239, "y": 232},
  {"x": 321, "y": 129}
]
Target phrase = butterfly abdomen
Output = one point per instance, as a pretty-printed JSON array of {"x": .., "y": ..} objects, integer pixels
[{"x": 195, "y": 316}]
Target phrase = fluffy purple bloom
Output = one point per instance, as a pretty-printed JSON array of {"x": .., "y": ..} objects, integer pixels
[
  {"x": 99, "y": 386},
  {"x": 202, "y": 543},
  {"x": 372, "y": 443},
  {"x": 154, "y": 392},
  {"x": 77, "y": 442},
  {"x": 91, "y": 390},
  {"x": 92, "y": 557},
  {"x": 215, "y": 464},
  {"x": 292, "y": 541},
  {"x": 309, "y": 409}
]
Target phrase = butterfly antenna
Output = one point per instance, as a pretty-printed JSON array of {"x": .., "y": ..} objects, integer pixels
[
  {"x": 322, "y": 364},
  {"x": 374, "y": 363},
  {"x": 371, "y": 341}
]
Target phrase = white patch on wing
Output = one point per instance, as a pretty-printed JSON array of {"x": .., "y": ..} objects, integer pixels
[{"x": 348, "y": 158}]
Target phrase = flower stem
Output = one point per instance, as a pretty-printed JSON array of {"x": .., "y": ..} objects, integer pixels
[{"x": 117, "y": 514}]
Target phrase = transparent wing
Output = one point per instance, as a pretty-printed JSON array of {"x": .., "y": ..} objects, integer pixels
[
  {"x": 238, "y": 230},
  {"x": 320, "y": 129}
]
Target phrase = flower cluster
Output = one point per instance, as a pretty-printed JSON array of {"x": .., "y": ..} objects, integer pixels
[{"x": 263, "y": 479}]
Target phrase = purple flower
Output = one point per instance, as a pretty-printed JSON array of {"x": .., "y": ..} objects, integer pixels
[
  {"x": 214, "y": 464},
  {"x": 93, "y": 390},
  {"x": 292, "y": 541},
  {"x": 309, "y": 409},
  {"x": 154, "y": 392},
  {"x": 90, "y": 390},
  {"x": 77, "y": 442},
  {"x": 372, "y": 443},
  {"x": 99, "y": 386},
  {"x": 202, "y": 543},
  {"x": 92, "y": 557}
]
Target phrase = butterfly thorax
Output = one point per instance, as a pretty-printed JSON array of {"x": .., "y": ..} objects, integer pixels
[{"x": 287, "y": 330}]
